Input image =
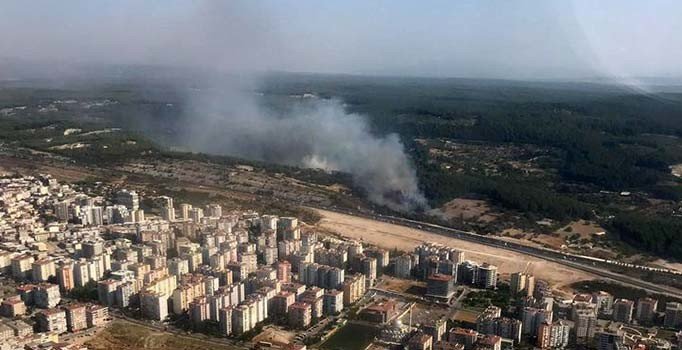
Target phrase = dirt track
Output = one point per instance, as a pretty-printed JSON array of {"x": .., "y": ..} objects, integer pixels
[{"x": 391, "y": 236}]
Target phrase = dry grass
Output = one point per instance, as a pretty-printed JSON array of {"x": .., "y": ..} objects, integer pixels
[
  {"x": 467, "y": 209},
  {"x": 468, "y": 316},
  {"x": 275, "y": 335},
  {"x": 122, "y": 335},
  {"x": 399, "y": 285}
]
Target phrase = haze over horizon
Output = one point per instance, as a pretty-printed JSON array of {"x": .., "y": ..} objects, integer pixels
[
  {"x": 533, "y": 40},
  {"x": 499, "y": 39}
]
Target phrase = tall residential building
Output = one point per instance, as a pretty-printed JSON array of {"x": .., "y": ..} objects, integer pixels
[
  {"x": 42, "y": 270},
  {"x": 354, "y": 288},
  {"x": 154, "y": 305},
  {"x": 607, "y": 339},
  {"x": 184, "y": 211},
  {"x": 62, "y": 210},
  {"x": 129, "y": 199},
  {"x": 333, "y": 302},
  {"x": 532, "y": 319},
  {"x": 646, "y": 310},
  {"x": 585, "y": 321},
  {"x": 440, "y": 286},
  {"x": 92, "y": 248},
  {"x": 673, "y": 314},
  {"x": 623, "y": 310},
  {"x": 456, "y": 256},
  {"x": 96, "y": 315},
  {"x": 284, "y": 271},
  {"x": 241, "y": 319},
  {"x": 12, "y": 307},
  {"x": 196, "y": 214},
  {"x": 225, "y": 320},
  {"x": 22, "y": 266},
  {"x": 92, "y": 215},
  {"x": 403, "y": 266},
  {"x": 522, "y": 283},
  {"x": 167, "y": 208},
  {"x": 553, "y": 335},
  {"x": 106, "y": 291},
  {"x": 46, "y": 295},
  {"x": 487, "y": 276},
  {"x": 214, "y": 210},
  {"x": 75, "y": 317},
  {"x": 464, "y": 336},
  {"x": 604, "y": 302},
  {"x": 369, "y": 268},
  {"x": 300, "y": 315},
  {"x": 65, "y": 276}
]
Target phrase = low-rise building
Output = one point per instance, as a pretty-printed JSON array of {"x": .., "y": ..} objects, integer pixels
[
  {"x": 380, "y": 312},
  {"x": 46, "y": 295},
  {"x": 420, "y": 341},
  {"x": 51, "y": 320},
  {"x": 96, "y": 315},
  {"x": 76, "y": 318},
  {"x": 12, "y": 307}
]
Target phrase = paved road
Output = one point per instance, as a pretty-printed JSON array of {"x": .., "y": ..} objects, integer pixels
[{"x": 584, "y": 264}]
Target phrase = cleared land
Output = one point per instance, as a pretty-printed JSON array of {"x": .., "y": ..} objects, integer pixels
[
  {"x": 122, "y": 335},
  {"x": 403, "y": 238},
  {"x": 351, "y": 336},
  {"x": 275, "y": 335}
]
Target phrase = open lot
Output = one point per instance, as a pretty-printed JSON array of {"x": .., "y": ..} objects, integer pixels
[
  {"x": 122, "y": 335},
  {"x": 391, "y": 236},
  {"x": 275, "y": 335},
  {"x": 351, "y": 336},
  {"x": 466, "y": 315}
]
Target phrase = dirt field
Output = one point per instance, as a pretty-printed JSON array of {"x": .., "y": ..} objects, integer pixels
[
  {"x": 122, "y": 335},
  {"x": 464, "y": 208},
  {"x": 400, "y": 285},
  {"x": 468, "y": 316},
  {"x": 403, "y": 238},
  {"x": 274, "y": 335}
]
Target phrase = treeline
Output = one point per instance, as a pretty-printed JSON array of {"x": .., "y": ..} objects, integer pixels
[
  {"x": 659, "y": 235},
  {"x": 534, "y": 199},
  {"x": 592, "y": 155}
]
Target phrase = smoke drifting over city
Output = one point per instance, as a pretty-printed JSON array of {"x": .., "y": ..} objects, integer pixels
[
  {"x": 565, "y": 40},
  {"x": 227, "y": 117},
  {"x": 314, "y": 133},
  {"x": 242, "y": 39}
]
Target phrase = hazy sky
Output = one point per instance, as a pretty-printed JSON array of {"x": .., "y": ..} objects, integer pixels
[{"x": 498, "y": 39}]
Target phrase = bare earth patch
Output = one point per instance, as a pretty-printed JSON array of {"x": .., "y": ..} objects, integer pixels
[
  {"x": 391, "y": 236},
  {"x": 399, "y": 285},
  {"x": 275, "y": 335},
  {"x": 463, "y": 208},
  {"x": 123, "y": 335}
]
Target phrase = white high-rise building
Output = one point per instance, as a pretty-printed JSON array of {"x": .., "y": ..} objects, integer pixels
[
  {"x": 167, "y": 208},
  {"x": 129, "y": 199},
  {"x": 196, "y": 214}
]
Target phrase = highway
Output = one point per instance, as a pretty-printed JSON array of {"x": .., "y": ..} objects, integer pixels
[{"x": 577, "y": 262}]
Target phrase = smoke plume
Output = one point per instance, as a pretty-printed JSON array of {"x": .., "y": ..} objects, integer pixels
[
  {"x": 314, "y": 133},
  {"x": 239, "y": 39}
]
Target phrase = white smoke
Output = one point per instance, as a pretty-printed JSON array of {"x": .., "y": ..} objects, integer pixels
[{"x": 315, "y": 133}]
